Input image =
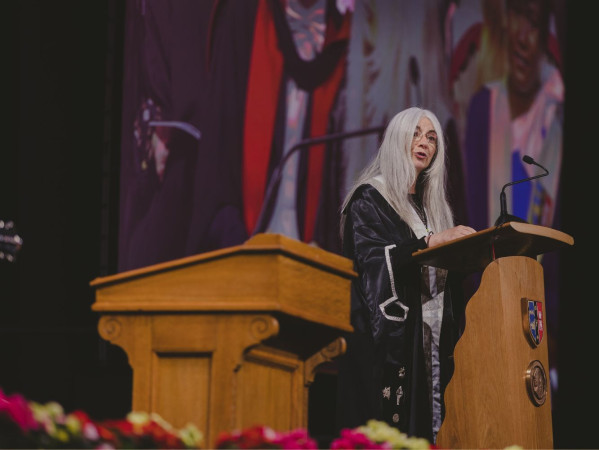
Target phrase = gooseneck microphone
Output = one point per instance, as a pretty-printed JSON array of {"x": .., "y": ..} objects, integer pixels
[
  {"x": 275, "y": 179},
  {"x": 504, "y": 217}
]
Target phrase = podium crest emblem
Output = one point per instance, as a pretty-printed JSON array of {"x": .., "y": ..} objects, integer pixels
[{"x": 534, "y": 321}]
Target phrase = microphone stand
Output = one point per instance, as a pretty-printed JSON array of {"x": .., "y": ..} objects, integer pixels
[
  {"x": 504, "y": 217},
  {"x": 275, "y": 179}
]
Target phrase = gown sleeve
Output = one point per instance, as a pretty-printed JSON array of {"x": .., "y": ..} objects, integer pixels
[{"x": 382, "y": 246}]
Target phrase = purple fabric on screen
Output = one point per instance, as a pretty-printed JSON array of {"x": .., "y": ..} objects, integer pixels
[
  {"x": 476, "y": 159},
  {"x": 217, "y": 206},
  {"x": 195, "y": 204}
]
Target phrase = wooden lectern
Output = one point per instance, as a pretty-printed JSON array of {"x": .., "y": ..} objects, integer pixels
[
  {"x": 499, "y": 394},
  {"x": 231, "y": 338}
]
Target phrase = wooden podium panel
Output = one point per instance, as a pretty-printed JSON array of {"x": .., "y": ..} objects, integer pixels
[
  {"x": 231, "y": 338},
  {"x": 489, "y": 405},
  {"x": 499, "y": 394}
]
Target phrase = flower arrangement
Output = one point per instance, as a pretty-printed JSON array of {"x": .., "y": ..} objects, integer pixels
[
  {"x": 262, "y": 437},
  {"x": 25, "y": 424},
  {"x": 377, "y": 435},
  {"x": 373, "y": 435}
]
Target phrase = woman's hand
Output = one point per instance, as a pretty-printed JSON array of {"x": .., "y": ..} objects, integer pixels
[{"x": 449, "y": 235}]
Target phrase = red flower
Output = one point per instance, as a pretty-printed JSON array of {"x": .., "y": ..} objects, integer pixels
[
  {"x": 106, "y": 434},
  {"x": 81, "y": 416},
  {"x": 162, "y": 437},
  {"x": 124, "y": 427}
]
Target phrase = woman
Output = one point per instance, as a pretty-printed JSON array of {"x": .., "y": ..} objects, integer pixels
[{"x": 399, "y": 358}]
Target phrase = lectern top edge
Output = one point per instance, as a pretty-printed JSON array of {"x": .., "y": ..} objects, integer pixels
[
  {"x": 474, "y": 252},
  {"x": 259, "y": 243},
  {"x": 539, "y": 230}
]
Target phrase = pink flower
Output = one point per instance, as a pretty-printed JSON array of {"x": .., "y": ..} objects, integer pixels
[
  {"x": 295, "y": 439},
  {"x": 352, "y": 439},
  {"x": 90, "y": 432},
  {"x": 265, "y": 437},
  {"x": 17, "y": 409}
]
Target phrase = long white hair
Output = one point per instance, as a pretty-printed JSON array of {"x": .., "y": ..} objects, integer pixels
[{"x": 393, "y": 163}]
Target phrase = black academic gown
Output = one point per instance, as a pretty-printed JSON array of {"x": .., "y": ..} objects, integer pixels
[{"x": 385, "y": 357}]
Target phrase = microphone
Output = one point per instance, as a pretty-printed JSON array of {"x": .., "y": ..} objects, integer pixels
[
  {"x": 276, "y": 176},
  {"x": 503, "y": 215}
]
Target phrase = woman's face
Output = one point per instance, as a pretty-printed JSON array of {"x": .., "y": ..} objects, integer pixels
[
  {"x": 424, "y": 144},
  {"x": 525, "y": 48}
]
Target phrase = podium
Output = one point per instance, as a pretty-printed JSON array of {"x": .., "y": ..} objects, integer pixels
[
  {"x": 499, "y": 394},
  {"x": 231, "y": 338}
]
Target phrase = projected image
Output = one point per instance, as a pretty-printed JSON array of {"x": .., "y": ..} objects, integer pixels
[{"x": 218, "y": 96}]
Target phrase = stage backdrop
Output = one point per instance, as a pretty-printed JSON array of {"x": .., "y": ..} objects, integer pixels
[{"x": 219, "y": 94}]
